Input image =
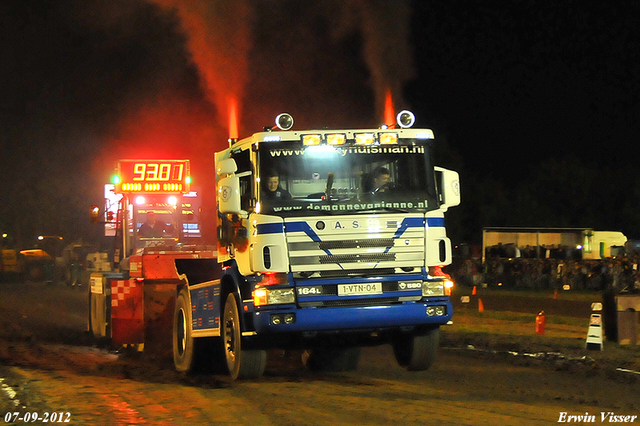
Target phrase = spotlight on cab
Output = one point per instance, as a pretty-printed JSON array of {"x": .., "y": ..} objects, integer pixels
[
  {"x": 284, "y": 121},
  {"x": 405, "y": 119}
]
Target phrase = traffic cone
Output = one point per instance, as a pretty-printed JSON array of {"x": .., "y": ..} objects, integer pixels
[
  {"x": 480, "y": 306},
  {"x": 473, "y": 292},
  {"x": 555, "y": 294},
  {"x": 540, "y": 323}
]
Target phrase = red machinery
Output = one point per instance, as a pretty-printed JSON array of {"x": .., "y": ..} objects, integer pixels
[{"x": 133, "y": 303}]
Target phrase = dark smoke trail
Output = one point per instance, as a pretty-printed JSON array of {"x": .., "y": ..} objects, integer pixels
[
  {"x": 385, "y": 27},
  {"x": 218, "y": 37}
]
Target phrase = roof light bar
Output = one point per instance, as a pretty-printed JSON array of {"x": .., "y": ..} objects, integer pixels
[
  {"x": 388, "y": 138},
  {"x": 311, "y": 140},
  {"x": 365, "y": 138},
  {"x": 336, "y": 139}
]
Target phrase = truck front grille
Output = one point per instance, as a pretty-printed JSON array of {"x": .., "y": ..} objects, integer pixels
[
  {"x": 379, "y": 246},
  {"x": 357, "y": 258},
  {"x": 350, "y": 244}
]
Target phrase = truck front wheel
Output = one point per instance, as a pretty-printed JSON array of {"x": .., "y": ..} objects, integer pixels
[
  {"x": 417, "y": 352},
  {"x": 242, "y": 363}
]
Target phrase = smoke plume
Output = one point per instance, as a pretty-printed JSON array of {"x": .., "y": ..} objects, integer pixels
[
  {"x": 273, "y": 46},
  {"x": 385, "y": 29},
  {"x": 218, "y": 38}
]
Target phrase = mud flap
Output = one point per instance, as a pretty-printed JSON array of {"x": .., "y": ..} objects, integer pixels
[
  {"x": 159, "y": 306},
  {"x": 127, "y": 312},
  {"x": 98, "y": 314}
]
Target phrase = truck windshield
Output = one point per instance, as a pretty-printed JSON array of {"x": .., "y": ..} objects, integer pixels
[{"x": 346, "y": 179}]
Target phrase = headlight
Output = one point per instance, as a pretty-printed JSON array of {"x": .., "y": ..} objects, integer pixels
[
  {"x": 263, "y": 296},
  {"x": 433, "y": 288},
  {"x": 436, "y": 311},
  {"x": 448, "y": 287}
]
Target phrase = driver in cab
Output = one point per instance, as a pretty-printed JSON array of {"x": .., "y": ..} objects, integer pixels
[
  {"x": 154, "y": 228},
  {"x": 272, "y": 189},
  {"x": 381, "y": 180}
]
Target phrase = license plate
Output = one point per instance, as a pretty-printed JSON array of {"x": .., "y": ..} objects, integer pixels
[{"x": 359, "y": 289}]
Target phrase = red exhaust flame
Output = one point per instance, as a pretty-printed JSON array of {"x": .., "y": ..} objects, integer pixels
[
  {"x": 233, "y": 118},
  {"x": 389, "y": 114}
]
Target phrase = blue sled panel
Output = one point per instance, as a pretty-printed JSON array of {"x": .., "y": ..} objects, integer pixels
[{"x": 205, "y": 306}]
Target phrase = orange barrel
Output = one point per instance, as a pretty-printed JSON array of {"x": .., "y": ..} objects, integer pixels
[{"x": 540, "y": 323}]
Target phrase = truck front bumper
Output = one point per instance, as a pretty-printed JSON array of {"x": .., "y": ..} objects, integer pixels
[{"x": 352, "y": 318}]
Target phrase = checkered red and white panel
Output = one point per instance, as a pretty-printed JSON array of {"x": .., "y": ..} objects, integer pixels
[{"x": 120, "y": 290}]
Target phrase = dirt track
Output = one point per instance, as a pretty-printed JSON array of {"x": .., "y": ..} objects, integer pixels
[{"x": 46, "y": 360}]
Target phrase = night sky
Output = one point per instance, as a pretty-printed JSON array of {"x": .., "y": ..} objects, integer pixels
[
  {"x": 520, "y": 81},
  {"x": 505, "y": 86}
]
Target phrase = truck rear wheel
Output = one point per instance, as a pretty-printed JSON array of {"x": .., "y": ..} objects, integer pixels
[
  {"x": 184, "y": 347},
  {"x": 242, "y": 363},
  {"x": 417, "y": 352}
]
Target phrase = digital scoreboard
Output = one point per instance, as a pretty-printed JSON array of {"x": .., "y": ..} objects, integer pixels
[{"x": 153, "y": 176}]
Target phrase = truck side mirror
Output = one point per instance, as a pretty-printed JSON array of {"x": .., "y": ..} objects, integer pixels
[
  {"x": 448, "y": 183},
  {"x": 228, "y": 187},
  {"x": 229, "y": 195},
  {"x": 226, "y": 167}
]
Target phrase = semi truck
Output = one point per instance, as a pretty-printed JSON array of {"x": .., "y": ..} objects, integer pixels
[{"x": 327, "y": 241}]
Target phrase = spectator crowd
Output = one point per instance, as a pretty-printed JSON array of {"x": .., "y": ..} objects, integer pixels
[{"x": 547, "y": 268}]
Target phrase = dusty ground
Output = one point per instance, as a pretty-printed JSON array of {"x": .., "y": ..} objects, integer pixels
[
  {"x": 492, "y": 368},
  {"x": 508, "y": 324}
]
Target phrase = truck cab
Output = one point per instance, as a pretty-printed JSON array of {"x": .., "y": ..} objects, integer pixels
[{"x": 330, "y": 240}]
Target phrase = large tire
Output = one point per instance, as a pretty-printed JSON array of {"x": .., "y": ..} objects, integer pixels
[
  {"x": 242, "y": 363},
  {"x": 34, "y": 272},
  {"x": 331, "y": 359},
  {"x": 184, "y": 351},
  {"x": 417, "y": 352}
]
